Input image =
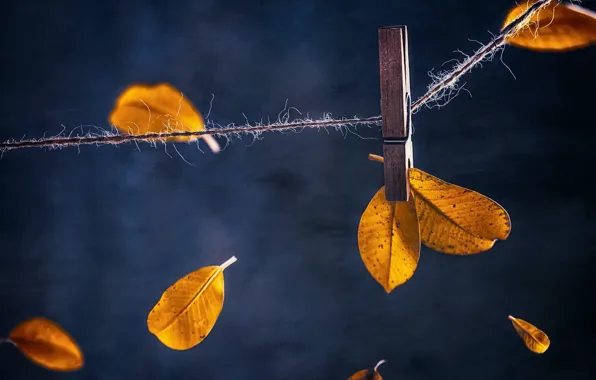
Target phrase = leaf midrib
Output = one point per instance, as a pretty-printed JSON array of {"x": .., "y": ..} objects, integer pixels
[
  {"x": 516, "y": 321},
  {"x": 391, "y": 234},
  {"x": 439, "y": 211},
  {"x": 201, "y": 291},
  {"x": 63, "y": 350}
]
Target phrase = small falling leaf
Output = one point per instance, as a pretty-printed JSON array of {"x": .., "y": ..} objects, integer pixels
[
  {"x": 535, "y": 339},
  {"x": 143, "y": 109},
  {"x": 556, "y": 27},
  {"x": 453, "y": 219},
  {"x": 389, "y": 240},
  {"x": 47, "y": 344},
  {"x": 188, "y": 310},
  {"x": 368, "y": 374}
]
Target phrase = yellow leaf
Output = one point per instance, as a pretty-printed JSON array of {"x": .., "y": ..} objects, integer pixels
[
  {"x": 454, "y": 219},
  {"x": 389, "y": 240},
  {"x": 368, "y": 374},
  {"x": 188, "y": 310},
  {"x": 535, "y": 339},
  {"x": 143, "y": 109},
  {"x": 557, "y": 27},
  {"x": 47, "y": 344}
]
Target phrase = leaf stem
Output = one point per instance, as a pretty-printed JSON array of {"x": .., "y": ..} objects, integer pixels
[
  {"x": 230, "y": 261},
  {"x": 374, "y": 157},
  {"x": 378, "y": 364}
]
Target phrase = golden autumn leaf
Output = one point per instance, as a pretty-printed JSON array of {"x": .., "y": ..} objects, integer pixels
[
  {"x": 161, "y": 108},
  {"x": 557, "y": 27},
  {"x": 389, "y": 240},
  {"x": 188, "y": 310},
  {"x": 535, "y": 339},
  {"x": 453, "y": 219},
  {"x": 368, "y": 374},
  {"x": 47, "y": 344}
]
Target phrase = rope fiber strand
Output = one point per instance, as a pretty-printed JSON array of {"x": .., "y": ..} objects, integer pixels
[{"x": 437, "y": 90}]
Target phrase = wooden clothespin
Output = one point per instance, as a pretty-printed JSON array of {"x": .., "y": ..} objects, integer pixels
[{"x": 396, "y": 111}]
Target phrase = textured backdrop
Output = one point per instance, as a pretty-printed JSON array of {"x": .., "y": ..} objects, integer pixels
[{"x": 91, "y": 237}]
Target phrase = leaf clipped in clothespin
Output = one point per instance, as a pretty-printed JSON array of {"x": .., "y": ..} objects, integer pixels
[
  {"x": 389, "y": 240},
  {"x": 535, "y": 339},
  {"x": 558, "y": 27},
  {"x": 368, "y": 374},
  {"x": 453, "y": 219},
  {"x": 456, "y": 220},
  {"x": 188, "y": 310},
  {"x": 143, "y": 109},
  {"x": 47, "y": 345}
]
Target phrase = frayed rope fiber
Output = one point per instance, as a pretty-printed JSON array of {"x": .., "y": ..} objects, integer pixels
[{"x": 443, "y": 86}]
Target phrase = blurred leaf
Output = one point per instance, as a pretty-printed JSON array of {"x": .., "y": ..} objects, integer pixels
[
  {"x": 143, "y": 109},
  {"x": 557, "y": 27},
  {"x": 368, "y": 374},
  {"x": 47, "y": 344},
  {"x": 389, "y": 240},
  {"x": 188, "y": 310},
  {"x": 453, "y": 219},
  {"x": 535, "y": 339}
]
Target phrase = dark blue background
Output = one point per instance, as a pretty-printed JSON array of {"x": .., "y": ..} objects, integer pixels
[{"x": 91, "y": 237}]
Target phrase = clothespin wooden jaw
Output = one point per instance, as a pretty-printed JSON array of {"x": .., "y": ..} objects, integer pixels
[{"x": 396, "y": 111}]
